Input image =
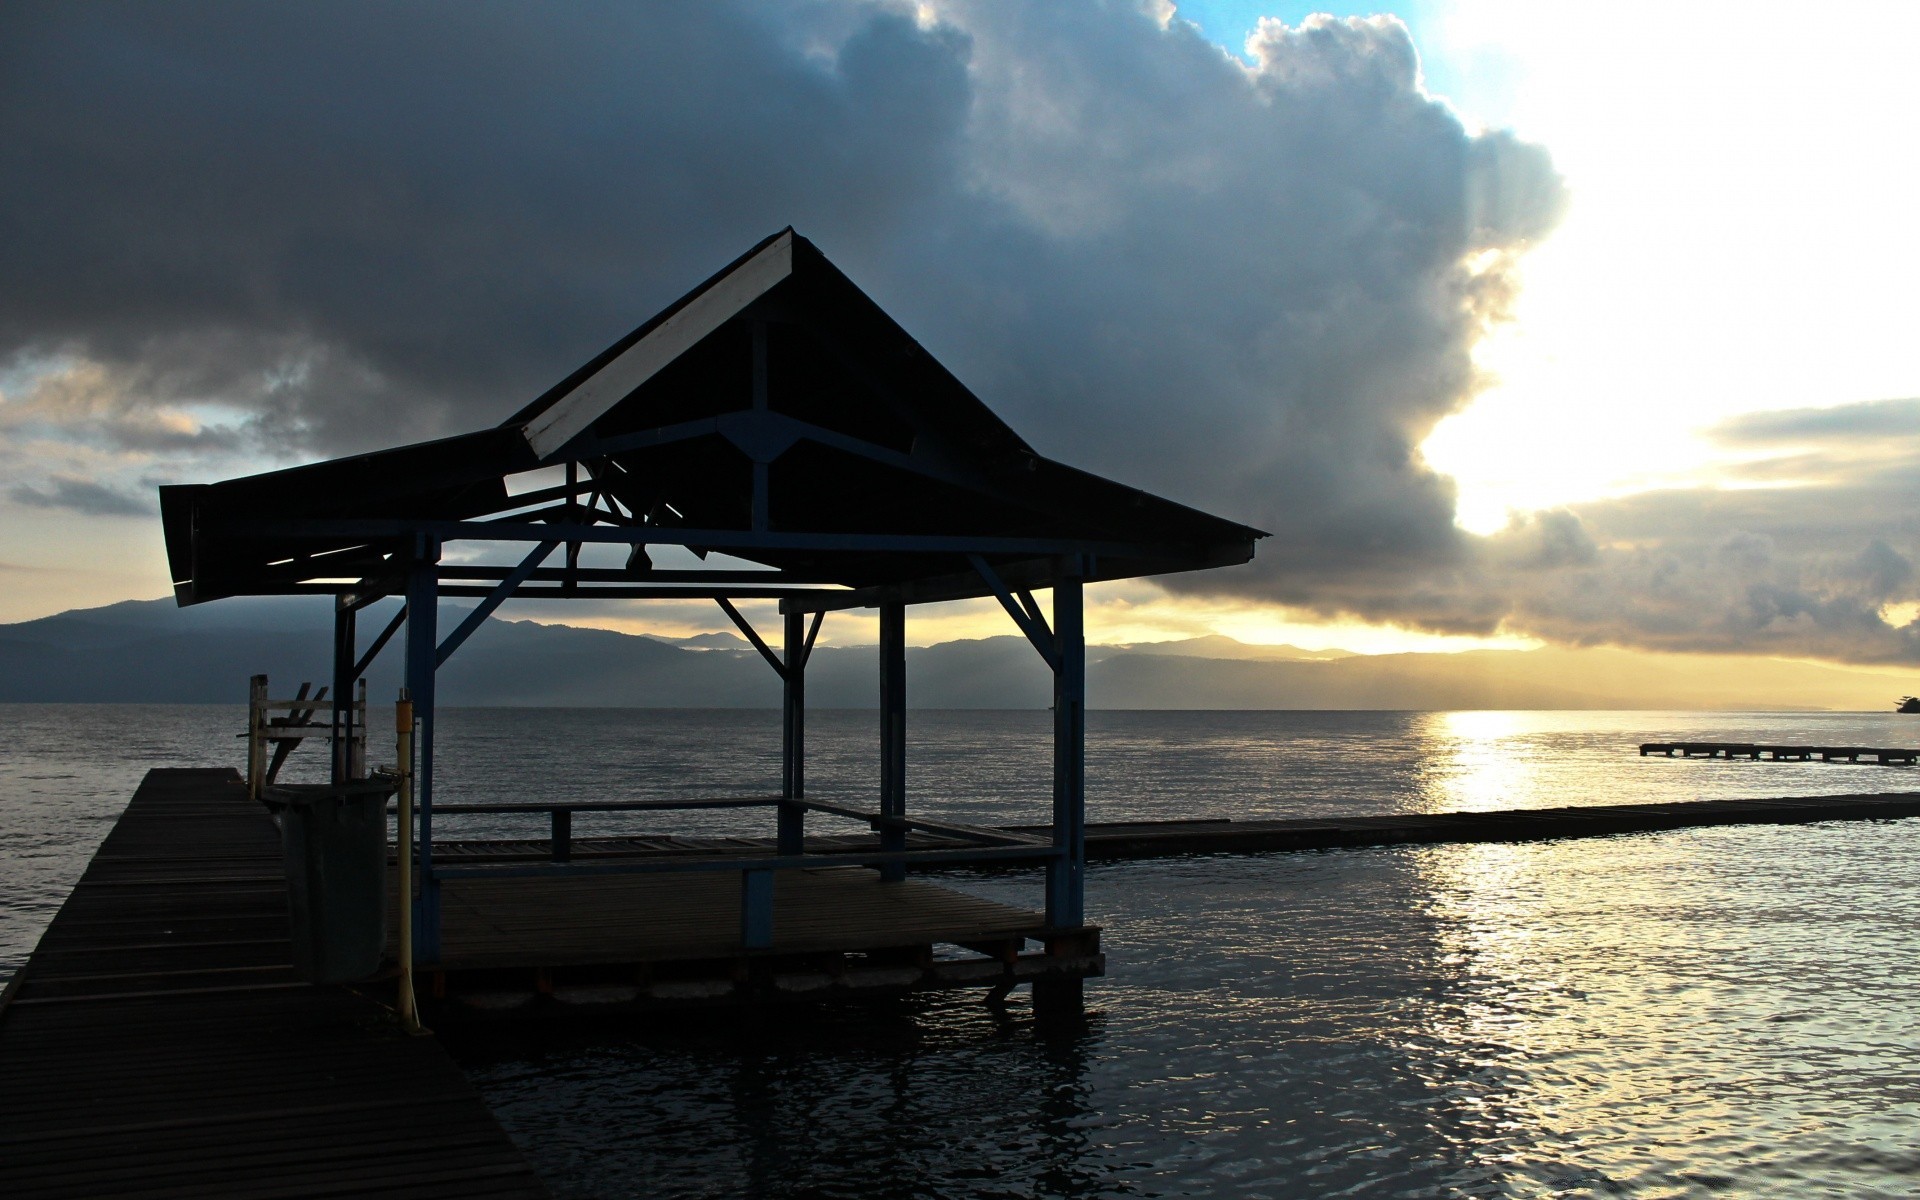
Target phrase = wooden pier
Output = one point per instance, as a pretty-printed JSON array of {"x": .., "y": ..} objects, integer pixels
[
  {"x": 1886, "y": 756},
  {"x": 1155, "y": 839},
  {"x": 1125, "y": 840},
  {"x": 157, "y": 1043}
]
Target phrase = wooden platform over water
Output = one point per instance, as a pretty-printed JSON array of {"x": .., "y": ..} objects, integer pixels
[
  {"x": 157, "y": 1043},
  {"x": 584, "y": 943}
]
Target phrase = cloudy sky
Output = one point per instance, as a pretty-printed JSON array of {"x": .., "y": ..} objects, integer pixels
[{"x": 1513, "y": 323}]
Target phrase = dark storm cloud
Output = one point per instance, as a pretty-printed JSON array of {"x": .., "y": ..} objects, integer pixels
[
  {"x": 271, "y": 231},
  {"x": 401, "y": 219},
  {"x": 1252, "y": 289}
]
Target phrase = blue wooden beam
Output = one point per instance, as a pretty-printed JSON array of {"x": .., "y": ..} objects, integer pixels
[
  {"x": 756, "y": 909},
  {"x": 423, "y": 607},
  {"x": 1066, "y": 874},
  {"x": 893, "y": 734},
  {"x": 493, "y": 600},
  {"x": 1026, "y": 617},
  {"x": 713, "y": 539},
  {"x": 380, "y": 643},
  {"x": 344, "y": 673},
  {"x": 675, "y": 864},
  {"x": 813, "y": 631},
  {"x": 792, "y": 821},
  {"x": 753, "y": 635}
]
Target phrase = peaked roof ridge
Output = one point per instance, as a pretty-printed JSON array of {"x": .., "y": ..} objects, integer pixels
[
  {"x": 544, "y": 402},
  {"x": 790, "y": 272},
  {"x": 775, "y": 412}
]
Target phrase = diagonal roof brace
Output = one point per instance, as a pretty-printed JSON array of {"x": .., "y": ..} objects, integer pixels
[
  {"x": 1026, "y": 614},
  {"x": 753, "y": 635},
  {"x": 493, "y": 600}
]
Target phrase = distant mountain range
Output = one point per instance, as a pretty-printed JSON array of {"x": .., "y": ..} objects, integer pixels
[{"x": 153, "y": 651}]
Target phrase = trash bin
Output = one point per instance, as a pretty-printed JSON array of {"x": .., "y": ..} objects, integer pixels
[{"x": 335, "y": 842}]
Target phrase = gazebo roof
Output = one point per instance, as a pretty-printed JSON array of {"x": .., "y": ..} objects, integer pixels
[{"x": 774, "y": 414}]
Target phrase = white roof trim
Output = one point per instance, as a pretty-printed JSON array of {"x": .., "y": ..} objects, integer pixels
[{"x": 706, "y": 312}]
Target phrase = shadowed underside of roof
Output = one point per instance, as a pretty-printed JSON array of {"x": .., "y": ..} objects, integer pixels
[{"x": 774, "y": 413}]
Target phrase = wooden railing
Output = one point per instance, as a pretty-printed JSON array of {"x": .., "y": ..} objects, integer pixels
[{"x": 270, "y": 738}]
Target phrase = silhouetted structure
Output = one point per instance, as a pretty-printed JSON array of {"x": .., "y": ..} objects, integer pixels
[{"x": 773, "y": 415}]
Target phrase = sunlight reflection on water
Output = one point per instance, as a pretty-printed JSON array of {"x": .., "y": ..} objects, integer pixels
[
  {"x": 1720, "y": 1010},
  {"x": 1709, "y": 1010}
]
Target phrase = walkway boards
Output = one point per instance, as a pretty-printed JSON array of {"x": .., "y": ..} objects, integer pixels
[{"x": 158, "y": 1045}]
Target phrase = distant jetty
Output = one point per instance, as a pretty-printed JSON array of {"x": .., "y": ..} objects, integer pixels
[{"x": 1886, "y": 756}]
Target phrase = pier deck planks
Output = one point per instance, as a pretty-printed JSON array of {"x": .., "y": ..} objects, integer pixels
[{"x": 157, "y": 1043}]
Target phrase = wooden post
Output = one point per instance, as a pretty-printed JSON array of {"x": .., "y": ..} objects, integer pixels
[
  {"x": 1066, "y": 875},
  {"x": 403, "y": 751},
  {"x": 1062, "y": 1001},
  {"x": 423, "y": 602},
  {"x": 341, "y": 724},
  {"x": 893, "y": 732},
  {"x": 756, "y": 909},
  {"x": 358, "y": 764},
  {"x": 256, "y": 736},
  {"x": 793, "y": 739}
]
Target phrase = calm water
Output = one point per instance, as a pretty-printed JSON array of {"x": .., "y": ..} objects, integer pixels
[{"x": 1723, "y": 1011}]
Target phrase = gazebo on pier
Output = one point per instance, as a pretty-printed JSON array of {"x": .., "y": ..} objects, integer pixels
[{"x": 777, "y": 417}]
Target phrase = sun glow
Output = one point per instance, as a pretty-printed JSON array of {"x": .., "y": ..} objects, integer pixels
[{"x": 1738, "y": 237}]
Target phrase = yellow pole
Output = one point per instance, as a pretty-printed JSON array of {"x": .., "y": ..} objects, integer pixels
[{"x": 403, "y": 727}]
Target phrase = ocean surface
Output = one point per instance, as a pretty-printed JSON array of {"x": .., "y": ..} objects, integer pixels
[{"x": 1724, "y": 1011}]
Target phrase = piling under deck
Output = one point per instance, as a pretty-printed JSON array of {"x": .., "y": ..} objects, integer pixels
[
  {"x": 581, "y": 942},
  {"x": 157, "y": 1043}
]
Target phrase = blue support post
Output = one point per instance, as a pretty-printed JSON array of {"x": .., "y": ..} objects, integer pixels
[
  {"x": 344, "y": 674},
  {"x": 893, "y": 732},
  {"x": 1066, "y": 874},
  {"x": 756, "y": 909},
  {"x": 423, "y": 604},
  {"x": 793, "y": 738}
]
